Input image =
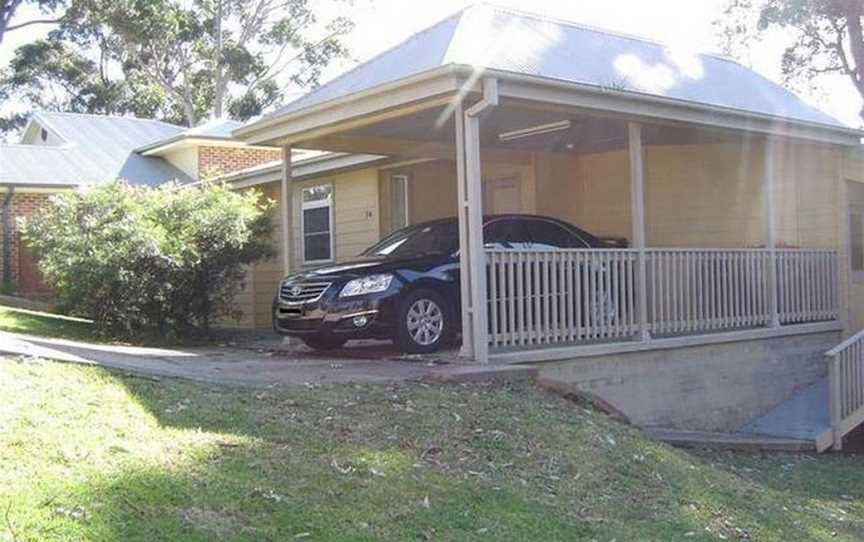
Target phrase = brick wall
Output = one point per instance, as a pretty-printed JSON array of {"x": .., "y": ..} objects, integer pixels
[
  {"x": 23, "y": 204},
  {"x": 214, "y": 161}
]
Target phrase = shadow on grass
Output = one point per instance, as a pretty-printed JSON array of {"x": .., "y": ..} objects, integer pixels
[{"x": 404, "y": 462}]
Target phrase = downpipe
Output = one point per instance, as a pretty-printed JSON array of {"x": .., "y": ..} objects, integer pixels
[{"x": 7, "y": 238}]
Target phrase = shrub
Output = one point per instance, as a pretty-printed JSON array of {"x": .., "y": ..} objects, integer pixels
[{"x": 135, "y": 259}]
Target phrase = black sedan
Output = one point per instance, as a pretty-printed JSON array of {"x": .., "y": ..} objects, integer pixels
[{"x": 405, "y": 287}]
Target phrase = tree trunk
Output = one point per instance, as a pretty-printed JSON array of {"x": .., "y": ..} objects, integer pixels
[
  {"x": 853, "y": 11},
  {"x": 219, "y": 97}
]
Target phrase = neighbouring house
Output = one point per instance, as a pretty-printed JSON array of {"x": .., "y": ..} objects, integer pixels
[
  {"x": 68, "y": 151},
  {"x": 743, "y": 208}
]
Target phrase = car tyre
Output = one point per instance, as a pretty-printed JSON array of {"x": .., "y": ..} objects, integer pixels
[
  {"x": 324, "y": 342},
  {"x": 425, "y": 322}
]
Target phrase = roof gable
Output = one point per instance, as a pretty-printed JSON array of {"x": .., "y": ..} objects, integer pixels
[
  {"x": 490, "y": 37},
  {"x": 96, "y": 148}
]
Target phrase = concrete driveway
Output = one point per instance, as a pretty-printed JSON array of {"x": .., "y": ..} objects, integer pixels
[{"x": 255, "y": 365}]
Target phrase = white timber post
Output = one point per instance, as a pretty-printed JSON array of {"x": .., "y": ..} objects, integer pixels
[
  {"x": 472, "y": 256},
  {"x": 637, "y": 213},
  {"x": 467, "y": 350},
  {"x": 286, "y": 209},
  {"x": 771, "y": 231}
]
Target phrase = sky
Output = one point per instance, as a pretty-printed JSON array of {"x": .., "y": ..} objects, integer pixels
[{"x": 686, "y": 25}]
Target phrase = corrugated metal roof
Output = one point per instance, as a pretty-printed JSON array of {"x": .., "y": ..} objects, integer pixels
[
  {"x": 496, "y": 38},
  {"x": 98, "y": 148},
  {"x": 213, "y": 129}
]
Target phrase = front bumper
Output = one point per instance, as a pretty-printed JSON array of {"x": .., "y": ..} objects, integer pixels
[{"x": 331, "y": 315}]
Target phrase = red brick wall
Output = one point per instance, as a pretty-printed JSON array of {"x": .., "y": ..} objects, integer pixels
[
  {"x": 23, "y": 204},
  {"x": 213, "y": 161}
]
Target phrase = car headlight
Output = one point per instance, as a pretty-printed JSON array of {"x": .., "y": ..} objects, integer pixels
[{"x": 367, "y": 285}]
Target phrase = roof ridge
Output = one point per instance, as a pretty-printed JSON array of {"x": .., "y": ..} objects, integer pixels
[
  {"x": 374, "y": 57},
  {"x": 591, "y": 28},
  {"x": 109, "y": 116}
]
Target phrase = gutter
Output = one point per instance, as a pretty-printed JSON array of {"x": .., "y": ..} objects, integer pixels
[
  {"x": 277, "y": 118},
  {"x": 470, "y": 72}
]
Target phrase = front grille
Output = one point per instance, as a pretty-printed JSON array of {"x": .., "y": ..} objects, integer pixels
[{"x": 302, "y": 292}]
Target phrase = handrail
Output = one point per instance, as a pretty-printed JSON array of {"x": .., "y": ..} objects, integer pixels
[
  {"x": 845, "y": 344},
  {"x": 846, "y": 387}
]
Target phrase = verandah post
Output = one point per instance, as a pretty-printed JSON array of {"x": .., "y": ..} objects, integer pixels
[
  {"x": 771, "y": 231},
  {"x": 472, "y": 253},
  {"x": 467, "y": 350},
  {"x": 286, "y": 208},
  {"x": 637, "y": 212}
]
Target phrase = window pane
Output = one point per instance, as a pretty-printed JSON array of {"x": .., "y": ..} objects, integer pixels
[
  {"x": 317, "y": 246},
  {"x": 316, "y": 220},
  {"x": 316, "y": 193},
  {"x": 856, "y": 241}
]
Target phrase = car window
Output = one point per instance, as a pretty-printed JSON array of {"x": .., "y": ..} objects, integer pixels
[
  {"x": 546, "y": 234},
  {"x": 506, "y": 233},
  {"x": 431, "y": 238}
]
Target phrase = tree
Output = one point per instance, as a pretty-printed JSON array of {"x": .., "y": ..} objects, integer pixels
[
  {"x": 826, "y": 36},
  {"x": 143, "y": 259},
  {"x": 213, "y": 56},
  {"x": 54, "y": 75},
  {"x": 8, "y": 9}
]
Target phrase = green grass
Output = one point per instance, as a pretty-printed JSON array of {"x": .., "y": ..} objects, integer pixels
[
  {"x": 44, "y": 324},
  {"x": 88, "y": 455}
]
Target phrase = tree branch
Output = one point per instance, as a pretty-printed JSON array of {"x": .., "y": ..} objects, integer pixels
[{"x": 12, "y": 27}]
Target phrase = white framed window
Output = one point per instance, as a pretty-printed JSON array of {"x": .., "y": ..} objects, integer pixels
[
  {"x": 856, "y": 241},
  {"x": 316, "y": 223},
  {"x": 398, "y": 202}
]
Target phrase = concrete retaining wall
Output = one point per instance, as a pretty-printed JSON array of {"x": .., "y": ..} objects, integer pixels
[{"x": 716, "y": 387}]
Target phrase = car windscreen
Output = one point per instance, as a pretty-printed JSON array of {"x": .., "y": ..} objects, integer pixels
[{"x": 429, "y": 238}]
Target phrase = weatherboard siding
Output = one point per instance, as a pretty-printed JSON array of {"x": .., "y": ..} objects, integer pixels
[{"x": 706, "y": 195}]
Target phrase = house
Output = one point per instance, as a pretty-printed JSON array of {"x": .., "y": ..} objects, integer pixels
[
  {"x": 67, "y": 151},
  {"x": 741, "y": 204}
]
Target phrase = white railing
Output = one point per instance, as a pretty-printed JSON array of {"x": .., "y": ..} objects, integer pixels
[
  {"x": 698, "y": 291},
  {"x": 540, "y": 297},
  {"x": 807, "y": 285},
  {"x": 549, "y": 296},
  {"x": 846, "y": 386}
]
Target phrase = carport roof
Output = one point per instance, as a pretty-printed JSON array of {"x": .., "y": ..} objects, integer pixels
[{"x": 494, "y": 38}]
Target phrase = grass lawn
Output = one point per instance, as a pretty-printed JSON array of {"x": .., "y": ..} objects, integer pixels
[
  {"x": 87, "y": 455},
  {"x": 44, "y": 324}
]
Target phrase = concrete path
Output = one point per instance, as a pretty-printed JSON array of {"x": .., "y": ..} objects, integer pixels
[
  {"x": 231, "y": 364},
  {"x": 803, "y": 416}
]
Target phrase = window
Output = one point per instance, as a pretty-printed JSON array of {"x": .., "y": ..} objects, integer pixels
[
  {"x": 856, "y": 241},
  {"x": 506, "y": 233},
  {"x": 317, "y": 223},
  {"x": 398, "y": 202},
  {"x": 546, "y": 234}
]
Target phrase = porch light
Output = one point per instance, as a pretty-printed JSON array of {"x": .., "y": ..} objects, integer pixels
[{"x": 535, "y": 130}]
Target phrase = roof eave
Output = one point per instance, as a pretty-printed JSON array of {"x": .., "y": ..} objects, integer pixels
[
  {"x": 339, "y": 162},
  {"x": 253, "y": 132},
  {"x": 636, "y": 103},
  {"x": 625, "y": 102}
]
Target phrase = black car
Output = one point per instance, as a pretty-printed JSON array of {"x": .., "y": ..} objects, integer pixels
[{"x": 406, "y": 286}]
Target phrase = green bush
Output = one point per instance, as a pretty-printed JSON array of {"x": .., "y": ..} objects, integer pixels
[{"x": 140, "y": 259}]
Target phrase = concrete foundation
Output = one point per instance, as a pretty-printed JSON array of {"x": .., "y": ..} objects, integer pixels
[{"x": 717, "y": 387}]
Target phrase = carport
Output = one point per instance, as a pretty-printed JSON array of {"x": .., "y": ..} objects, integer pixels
[{"x": 604, "y": 123}]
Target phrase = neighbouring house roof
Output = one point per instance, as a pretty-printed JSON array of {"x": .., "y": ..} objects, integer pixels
[
  {"x": 213, "y": 130},
  {"x": 494, "y": 38},
  {"x": 94, "y": 149}
]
